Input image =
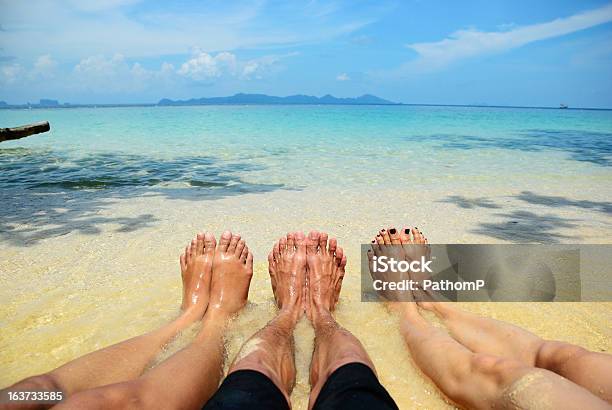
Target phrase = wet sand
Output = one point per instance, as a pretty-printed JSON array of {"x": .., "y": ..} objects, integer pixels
[{"x": 94, "y": 275}]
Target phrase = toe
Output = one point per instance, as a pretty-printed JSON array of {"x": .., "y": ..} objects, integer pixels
[
  {"x": 193, "y": 248},
  {"x": 210, "y": 243},
  {"x": 283, "y": 244},
  {"x": 333, "y": 245},
  {"x": 200, "y": 244},
  {"x": 244, "y": 254},
  {"x": 405, "y": 236},
  {"x": 313, "y": 242},
  {"x": 385, "y": 235},
  {"x": 340, "y": 278},
  {"x": 271, "y": 263},
  {"x": 233, "y": 243},
  {"x": 339, "y": 255},
  {"x": 290, "y": 241},
  {"x": 276, "y": 250},
  {"x": 300, "y": 243},
  {"x": 240, "y": 246},
  {"x": 224, "y": 242},
  {"x": 379, "y": 240},
  {"x": 418, "y": 236},
  {"x": 323, "y": 242},
  {"x": 183, "y": 262},
  {"x": 394, "y": 236},
  {"x": 249, "y": 261},
  {"x": 375, "y": 248}
]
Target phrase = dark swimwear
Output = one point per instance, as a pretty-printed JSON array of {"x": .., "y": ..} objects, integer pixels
[{"x": 352, "y": 386}]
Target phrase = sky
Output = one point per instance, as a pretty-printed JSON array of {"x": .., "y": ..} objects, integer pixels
[{"x": 520, "y": 52}]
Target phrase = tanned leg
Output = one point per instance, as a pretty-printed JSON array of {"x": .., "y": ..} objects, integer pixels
[
  {"x": 271, "y": 350},
  {"x": 127, "y": 360},
  {"x": 483, "y": 335},
  {"x": 334, "y": 346},
  {"x": 189, "y": 377}
]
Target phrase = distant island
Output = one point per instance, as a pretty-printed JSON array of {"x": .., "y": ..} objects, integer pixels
[
  {"x": 237, "y": 99},
  {"x": 263, "y": 99},
  {"x": 241, "y": 98}
]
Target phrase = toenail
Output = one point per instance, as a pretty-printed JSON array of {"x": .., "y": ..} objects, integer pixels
[
  {"x": 392, "y": 231},
  {"x": 406, "y": 231},
  {"x": 373, "y": 241},
  {"x": 383, "y": 230},
  {"x": 378, "y": 236}
]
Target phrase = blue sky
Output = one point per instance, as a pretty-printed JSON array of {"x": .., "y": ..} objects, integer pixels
[{"x": 536, "y": 53}]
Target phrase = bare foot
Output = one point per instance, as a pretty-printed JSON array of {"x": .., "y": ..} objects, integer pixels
[
  {"x": 287, "y": 267},
  {"x": 326, "y": 267},
  {"x": 408, "y": 244},
  {"x": 231, "y": 274},
  {"x": 196, "y": 271}
]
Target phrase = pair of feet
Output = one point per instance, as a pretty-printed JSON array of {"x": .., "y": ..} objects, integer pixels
[
  {"x": 216, "y": 276},
  {"x": 306, "y": 273},
  {"x": 407, "y": 244}
]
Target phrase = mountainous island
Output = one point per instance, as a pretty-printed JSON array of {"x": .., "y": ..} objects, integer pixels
[
  {"x": 241, "y": 98},
  {"x": 237, "y": 99}
]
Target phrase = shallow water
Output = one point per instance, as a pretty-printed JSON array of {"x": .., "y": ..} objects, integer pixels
[{"x": 82, "y": 268}]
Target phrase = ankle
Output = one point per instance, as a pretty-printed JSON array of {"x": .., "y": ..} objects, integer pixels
[
  {"x": 322, "y": 318},
  {"x": 216, "y": 315},
  {"x": 287, "y": 318},
  {"x": 191, "y": 314}
]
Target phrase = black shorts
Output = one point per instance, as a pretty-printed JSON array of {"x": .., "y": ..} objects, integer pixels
[{"x": 352, "y": 386}]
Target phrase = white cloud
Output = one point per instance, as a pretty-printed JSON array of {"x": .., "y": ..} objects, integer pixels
[
  {"x": 343, "y": 77},
  {"x": 470, "y": 43},
  {"x": 258, "y": 68},
  {"x": 99, "y": 74},
  {"x": 205, "y": 66},
  {"x": 167, "y": 68},
  {"x": 44, "y": 63},
  {"x": 44, "y": 68},
  {"x": 99, "y": 65},
  {"x": 10, "y": 73},
  {"x": 73, "y": 28}
]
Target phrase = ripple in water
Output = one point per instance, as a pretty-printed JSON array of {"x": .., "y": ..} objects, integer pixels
[{"x": 30, "y": 168}]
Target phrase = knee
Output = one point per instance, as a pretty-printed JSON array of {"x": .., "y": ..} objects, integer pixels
[
  {"x": 479, "y": 378},
  {"x": 498, "y": 371},
  {"x": 553, "y": 355},
  {"x": 41, "y": 382}
]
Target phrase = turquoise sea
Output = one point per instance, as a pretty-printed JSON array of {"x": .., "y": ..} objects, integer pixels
[{"x": 209, "y": 150}]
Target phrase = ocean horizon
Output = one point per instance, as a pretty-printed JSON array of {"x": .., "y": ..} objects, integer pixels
[{"x": 66, "y": 105}]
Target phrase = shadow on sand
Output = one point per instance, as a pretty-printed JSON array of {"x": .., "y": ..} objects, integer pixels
[
  {"x": 46, "y": 194},
  {"x": 528, "y": 226}
]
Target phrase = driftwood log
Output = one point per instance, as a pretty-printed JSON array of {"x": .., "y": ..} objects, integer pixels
[{"x": 16, "y": 133}]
